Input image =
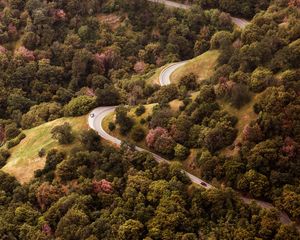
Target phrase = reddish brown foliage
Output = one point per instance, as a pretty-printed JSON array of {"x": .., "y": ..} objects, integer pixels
[
  {"x": 154, "y": 134},
  {"x": 290, "y": 147},
  {"x": 47, "y": 194},
  {"x": 25, "y": 53},
  {"x": 294, "y": 3},
  {"x": 252, "y": 133},
  {"x": 47, "y": 229},
  {"x": 139, "y": 67},
  {"x": 102, "y": 186},
  {"x": 2, "y": 49}
]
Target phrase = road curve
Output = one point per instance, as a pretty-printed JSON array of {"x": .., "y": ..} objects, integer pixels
[
  {"x": 95, "y": 120},
  {"x": 96, "y": 117},
  {"x": 237, "y": 21},
  {"x": 165, "y": 75}
]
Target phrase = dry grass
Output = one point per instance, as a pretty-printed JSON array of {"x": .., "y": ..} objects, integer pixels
[
  {"x": 202, "y": 66},
  {"x": 24, "y": 158}
]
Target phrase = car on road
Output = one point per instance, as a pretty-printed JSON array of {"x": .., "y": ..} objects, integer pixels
[
  {"x": 203, "y": 184},
  {"x": 92, "y": 115}
]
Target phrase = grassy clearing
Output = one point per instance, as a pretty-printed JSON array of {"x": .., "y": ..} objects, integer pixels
[
  {"x": 202, "y": 66},
  {"x": 24, "y": 158}
]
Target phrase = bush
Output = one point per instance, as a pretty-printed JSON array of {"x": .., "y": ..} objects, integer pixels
[
  {"x": 111, "y": 126},
  {"x": 260, "y": 79},
  {"x": 42, "y": 152},
  {"x": 11, "y": 131},
  {"x": 239, "y": 95},
  {"x": 189, "y": 81},
  {"x": 79, "y": 106},
  {"x": 143, "y": 121},
  {"x": 63, "y": 133},
  {"x": 4, "y": 155},
  {"x": 181, "y": 152},
  {"x": 137, "y": 134},
  {"x": 140, "y": 110},
  {"x": 14, "y": 142}
]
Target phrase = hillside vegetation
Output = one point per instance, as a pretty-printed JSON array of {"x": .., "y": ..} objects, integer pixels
[{"x": 231, "y": 116}]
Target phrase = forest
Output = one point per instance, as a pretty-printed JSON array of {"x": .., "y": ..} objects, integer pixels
[{"x": 237, "y": 128}]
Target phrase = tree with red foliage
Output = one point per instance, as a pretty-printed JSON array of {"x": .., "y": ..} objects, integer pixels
[
  {"x": 25, "y": 53},
  {"x": 102, "y": 186},
  {"x": 160, "y": 140},
  {"x": 290, "y": 147},
  {"x": 47, "y": 194}
]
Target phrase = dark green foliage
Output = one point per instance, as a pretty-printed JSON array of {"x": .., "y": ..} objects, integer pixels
[
  {"x": 111, "y": 126},
  {"x": 90, "y": 139},
  {"x": 189, "y": 81},
  {"x": 122, "y": 119},
  {"x": 63, "y": 133},
  {"x": 11, "y": 131},
  {"x": 4, "y": 155},
  {"x": 137, "y": 134},
  {"x": 140, "y": 110},
  {"x": 14, "y": 142},
  {"x": 239, "y": 95},
  {"x": 79, "y": 106}
]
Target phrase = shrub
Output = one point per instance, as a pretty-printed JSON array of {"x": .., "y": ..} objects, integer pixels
[
  {"x": 63, "y": 133},
  {"x": 143, "y": 121},
  {"x": 42, "y": 152},
  {"x": 181, "y": 152},
  {"x": 14, "y": 142},
  {"x": 11, "y": 131},
  {"x": 4, "y": 155},
  {"x": 189, "y": 81},
  {"x": 79, "y": 106},
  {"x": 140, "y": 110},
  {"x": 239, "y": 95},
  {"x": 260, "y": 79},
  {"x": 137, "y": 134},
  {"x": 111, "y": 126}
]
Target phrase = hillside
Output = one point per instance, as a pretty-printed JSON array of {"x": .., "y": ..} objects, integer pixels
[
  {"x": 202, "y": 66},
  {"x": 24, "y": 159},
  {"x": 149, "y": 120}
]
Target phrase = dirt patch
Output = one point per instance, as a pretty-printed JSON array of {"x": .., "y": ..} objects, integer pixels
[{"x": 25, "y": 172}]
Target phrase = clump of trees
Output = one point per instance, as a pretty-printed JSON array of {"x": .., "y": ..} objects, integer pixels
[{"x": 63, "y": 133}]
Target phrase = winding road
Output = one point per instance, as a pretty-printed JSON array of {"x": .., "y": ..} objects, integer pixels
[
  {"x": 237, "y": 21},
  {"x": 97, "y": 116}
]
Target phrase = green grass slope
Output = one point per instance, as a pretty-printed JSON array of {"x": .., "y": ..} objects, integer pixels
[
  {"x": 24, "y": 159},
  {"x": 202, "y": 66}
]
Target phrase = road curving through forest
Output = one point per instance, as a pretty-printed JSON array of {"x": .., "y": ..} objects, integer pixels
[{"x": 97, "y": 116}]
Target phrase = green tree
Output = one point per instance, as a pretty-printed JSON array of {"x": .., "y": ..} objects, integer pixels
[
  {"x": 131, "y": 230},
  {"x": 63, "y": 133}
]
